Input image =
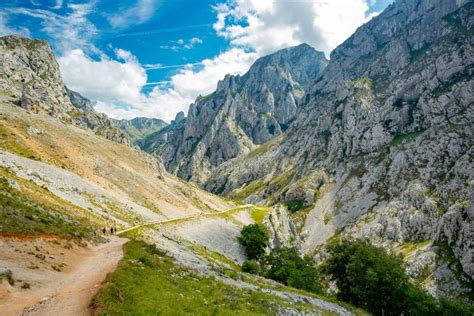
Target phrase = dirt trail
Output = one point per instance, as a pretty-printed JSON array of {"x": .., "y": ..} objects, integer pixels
[
  {"x": 71, "y": 293},
  {"x": 184, "y": 218}
]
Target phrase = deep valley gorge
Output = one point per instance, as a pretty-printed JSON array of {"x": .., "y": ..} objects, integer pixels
[{"x": 269, "y": 196}]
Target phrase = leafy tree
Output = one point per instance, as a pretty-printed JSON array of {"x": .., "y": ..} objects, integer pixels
[
  {"x": 254, "y": 238},
  {"x": 369, "y": 277},
  {"x": 251, "y": 266},
  {"x": 286, "y": 266}
]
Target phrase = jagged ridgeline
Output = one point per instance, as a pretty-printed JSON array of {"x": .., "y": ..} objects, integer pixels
[
  {"x": 243, "y": 113},
  {"x": 375, "y": 143},
  {"x": 30, "y": 78}
]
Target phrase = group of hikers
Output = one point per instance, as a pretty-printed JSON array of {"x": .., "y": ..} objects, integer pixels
[{"x": 113, "y": 230}]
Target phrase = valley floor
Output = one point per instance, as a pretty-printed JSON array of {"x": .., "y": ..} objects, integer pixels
[{"x": 63, "y": 276}]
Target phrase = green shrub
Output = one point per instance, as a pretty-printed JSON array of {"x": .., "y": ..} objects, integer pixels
[
  {"x": 254, "y": 238},
  {"x": 294, "y": 205},
  {"x": 286, "y": 266},
  {"x": 369, "y": 277},
  {"x": 251, "y": 266}
]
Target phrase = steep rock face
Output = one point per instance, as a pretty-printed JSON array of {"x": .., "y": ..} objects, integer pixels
[
  {"x": 156, "y": 141},
  {"x": 85, "y": 116},
  {"x": 244, "y": 111},
  {"x": 30, "y": 78},
  {"x": 381, "y": 146},
  {"x": 140, "y": 127}
]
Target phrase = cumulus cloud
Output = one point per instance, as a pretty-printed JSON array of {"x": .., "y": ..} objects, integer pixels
[
  {"x": 164, "y": 101},
  {"x": 190, "y": 83},
  {"x": 267, "y": 25},
  {"x": 104, "y": 79}
]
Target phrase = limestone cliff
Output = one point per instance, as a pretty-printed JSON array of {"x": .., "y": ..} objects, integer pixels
[
  {"x": 30, "y": 78},
  {"x": 243, "y": 112},
  {"x": 381, "y": 145}
]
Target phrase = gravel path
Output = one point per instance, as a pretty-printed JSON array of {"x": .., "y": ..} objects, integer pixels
[{"x": 72, "y": 292}]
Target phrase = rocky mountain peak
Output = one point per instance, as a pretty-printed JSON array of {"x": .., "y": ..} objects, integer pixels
[
  {"x": 30, "y": 78},
  {"x": 303, "y": 63},
  {"x": 381, "y": 144},
  {"x": 179, "y": 117},
  {"x": 139, "y": 128},
  {"x": 243, "y": 112}
]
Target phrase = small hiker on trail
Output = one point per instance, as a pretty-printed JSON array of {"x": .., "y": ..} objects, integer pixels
[
  {"x": 111, "y": 230},
  {"x": 103, "y": 230},
  {"x": 115, "y": 230}
]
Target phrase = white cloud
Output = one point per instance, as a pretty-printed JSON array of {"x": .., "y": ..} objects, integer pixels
[
  {"x": 58, "y": 5},
  {"x": 183, "y": 44},
  {"x": 70, "y": 31},
  {"x": 191, "y": 83},
  {"x": 270, "y": 25},
  {"x": 7, "y": 30},
  {"x": 141, "y": 12},
  {"x": 105, "y": 79},
  {"x": 116, "y": 85}
]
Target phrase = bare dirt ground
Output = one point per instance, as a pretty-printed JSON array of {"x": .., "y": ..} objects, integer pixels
[{"x": 63, "y": 276}]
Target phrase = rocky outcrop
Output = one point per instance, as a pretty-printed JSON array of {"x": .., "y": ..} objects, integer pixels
[
  {"x": 30, "y": 78},
  {"x": 243, "y": 112},
  {"x": 86, "y": 117},
  {"x": 140, "y": 127},
  {"x": 280, "y": 228},
  {"x": 381, "y": 144},
  {"x": 156, "y": 141}
]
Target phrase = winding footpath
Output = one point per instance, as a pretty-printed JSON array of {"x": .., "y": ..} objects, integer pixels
[
  {"x": 71, "y": 294},
  {"x": 184, "y": 218}
]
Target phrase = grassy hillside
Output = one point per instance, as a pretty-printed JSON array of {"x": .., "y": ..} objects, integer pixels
[
  {"x": 148, "y": 281},
  {"x": 133, "y": 177}
]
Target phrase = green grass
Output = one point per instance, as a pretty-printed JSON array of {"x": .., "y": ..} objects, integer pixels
[
  {"x": 408, "y": 247},
  {"x": 20, "y": 214},
  {"x": 148, "y": 282},
  {"x": 260, "y": 150},
  {"x": 253, "y": 187},
  {"x": 14, "y": 144},
  {"x": 404, "y": 138},
  {"x": 258, "y": 213}
]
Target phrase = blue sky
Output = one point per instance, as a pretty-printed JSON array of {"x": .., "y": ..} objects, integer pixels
[{"x": 154, "y": 57}]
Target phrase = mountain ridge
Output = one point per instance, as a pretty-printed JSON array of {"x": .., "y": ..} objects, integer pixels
[
  {"x": 243, "y": 112},
  {"x": 385, "y": 131},
  {"x": 30, "y": 78}
]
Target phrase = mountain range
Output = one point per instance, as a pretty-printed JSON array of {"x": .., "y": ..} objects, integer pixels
[{"x": 375, "y": 143}]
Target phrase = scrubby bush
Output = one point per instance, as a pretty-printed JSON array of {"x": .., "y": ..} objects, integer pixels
[
  {"x": 254, "y": 238},
  {"x": 369, "y": 277},
  {"x": 251, "y": 266},
  {"x": 294, "y": 205},
  {"x": 286, "y": 266}
]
